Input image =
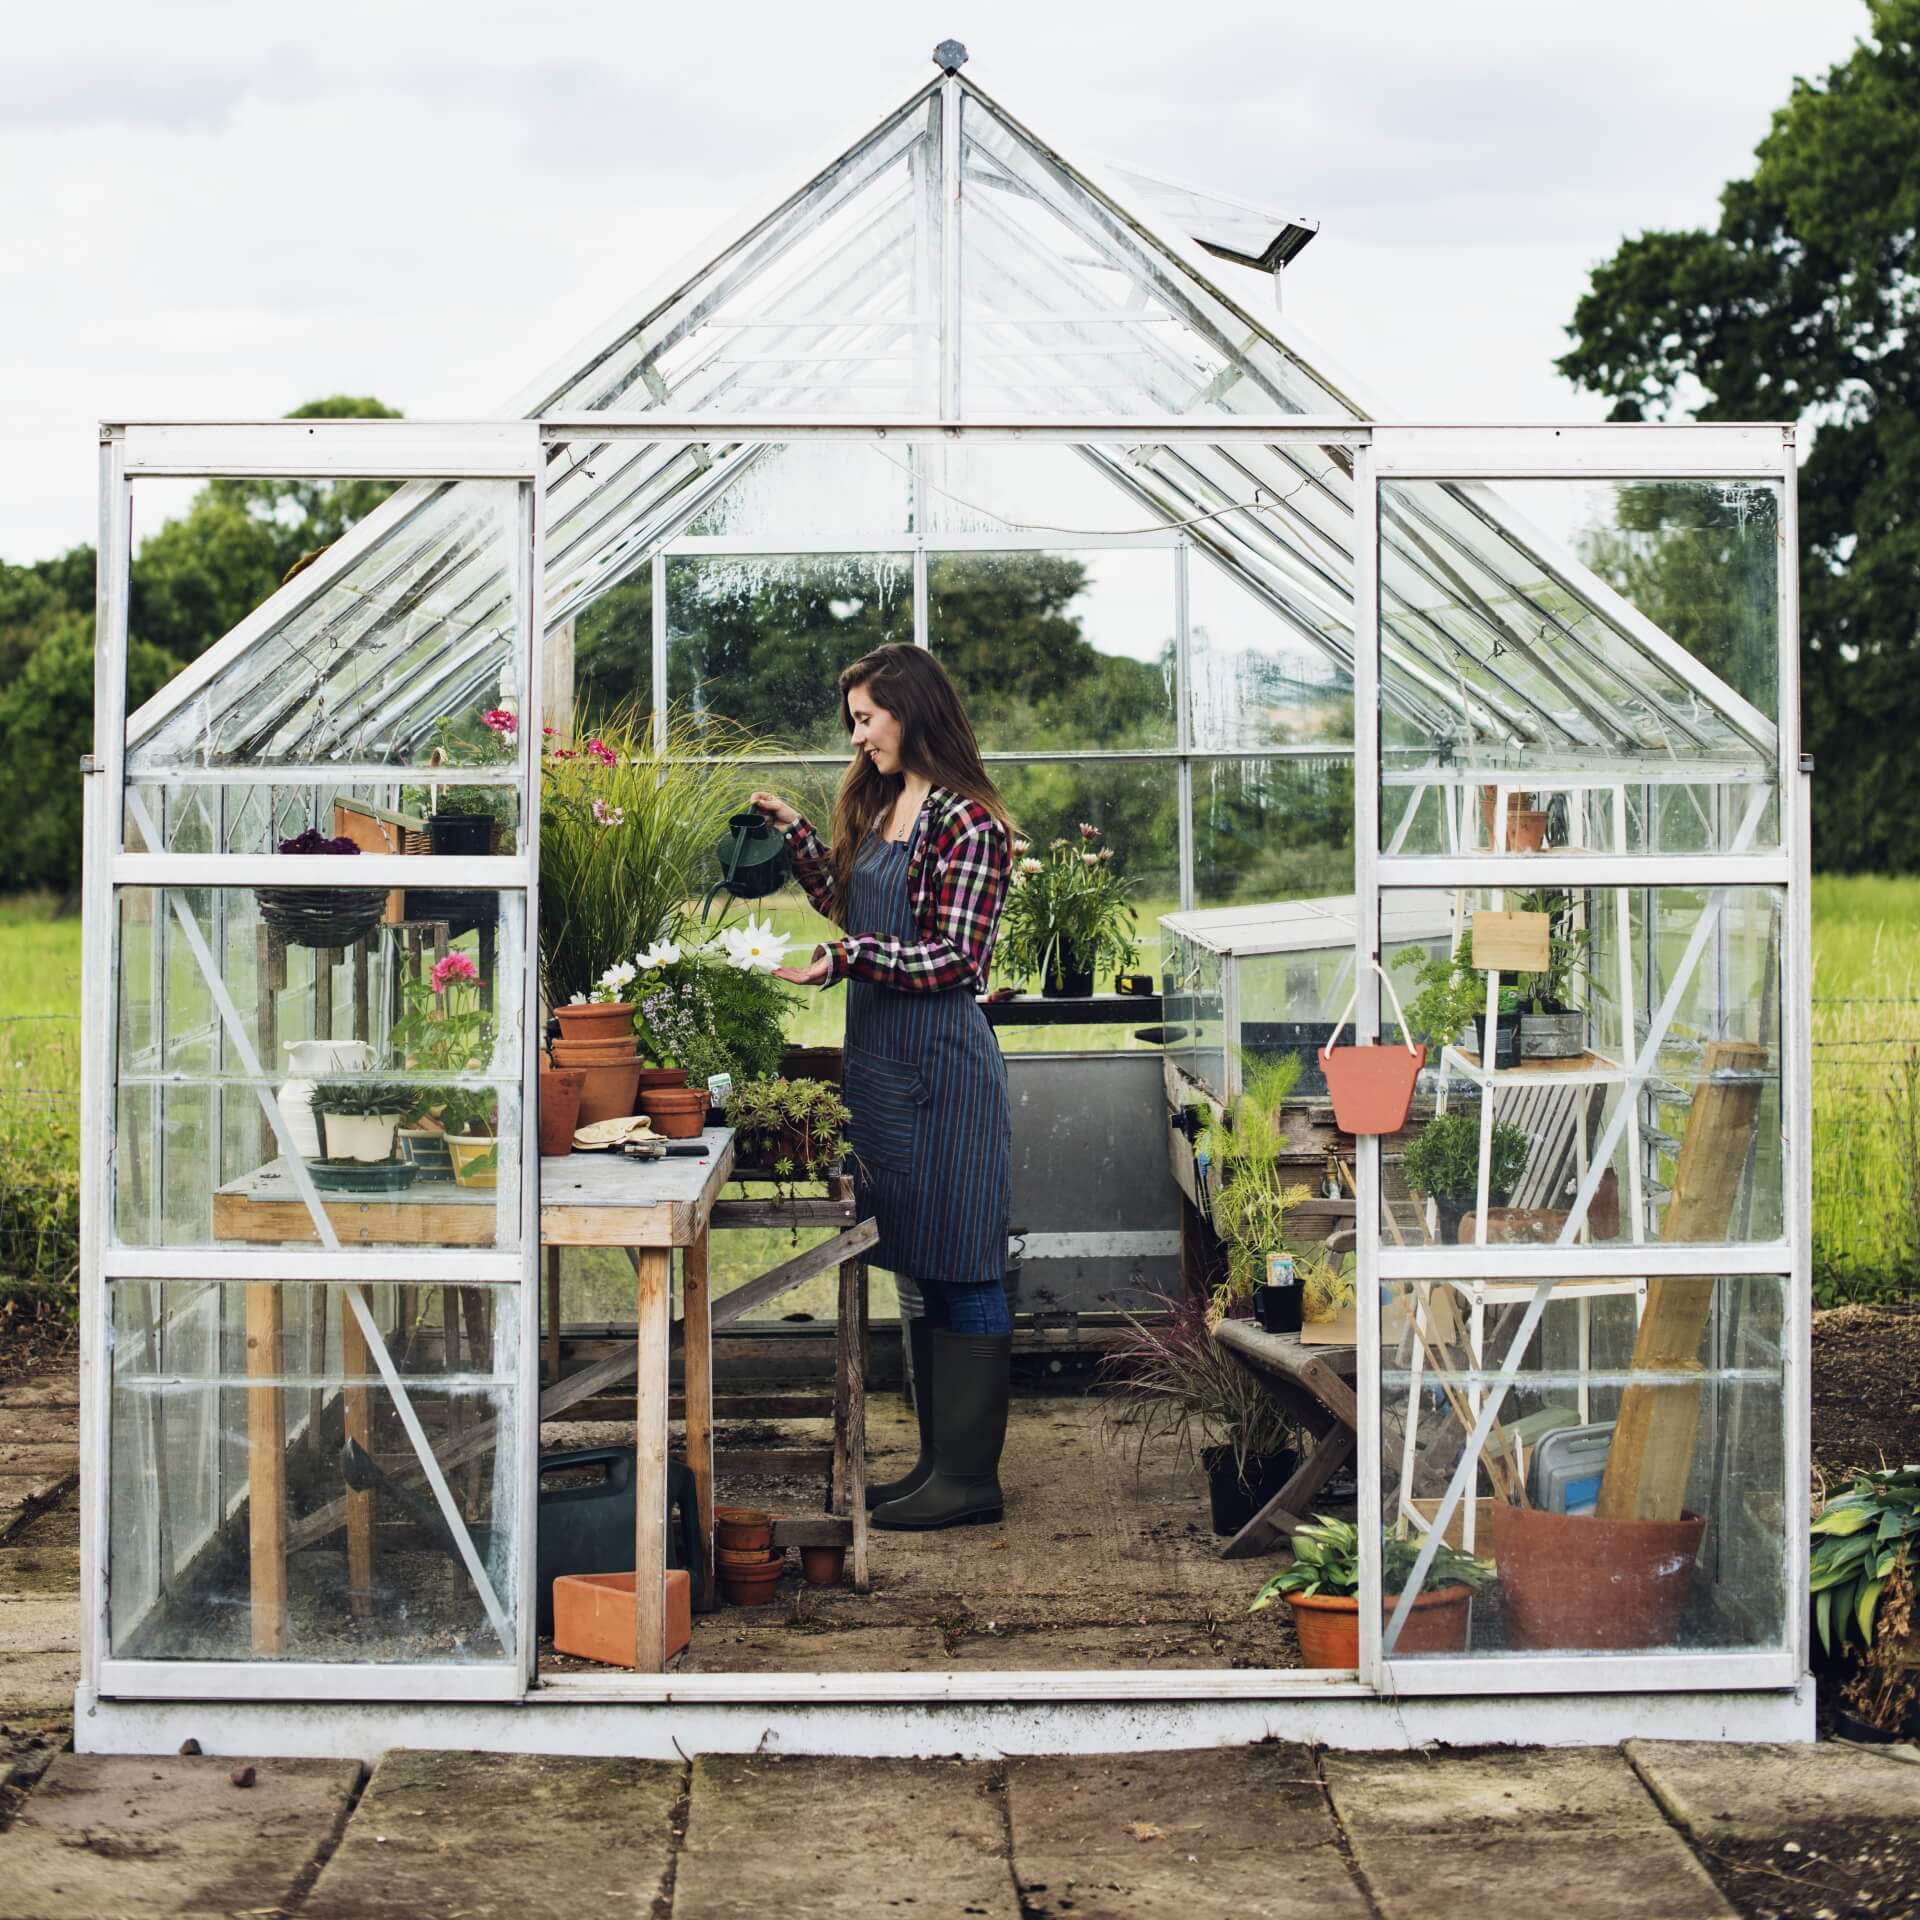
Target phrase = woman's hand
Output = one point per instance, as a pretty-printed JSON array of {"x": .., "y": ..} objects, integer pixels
[
  {"x": 814, "y": 973},
  {"x": 775, "y": 809}
]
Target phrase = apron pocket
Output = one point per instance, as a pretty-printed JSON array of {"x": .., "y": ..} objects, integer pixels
[{"x": 884, "y": 1097}]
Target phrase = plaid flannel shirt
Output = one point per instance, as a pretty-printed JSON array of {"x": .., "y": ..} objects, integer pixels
[{"x": 956, "y": 883}]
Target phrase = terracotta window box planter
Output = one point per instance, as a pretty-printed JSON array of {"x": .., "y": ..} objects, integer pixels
[{"x": 593, "y": 1615}]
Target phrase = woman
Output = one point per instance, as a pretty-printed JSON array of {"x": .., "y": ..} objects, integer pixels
[{"x": 917, "y": 874}]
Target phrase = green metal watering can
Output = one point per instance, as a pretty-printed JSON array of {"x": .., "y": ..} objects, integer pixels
[{"x": 753, "y": 860}]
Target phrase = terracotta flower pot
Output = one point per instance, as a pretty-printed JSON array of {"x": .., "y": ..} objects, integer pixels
[
  {"x": 821, "y": 1565},
  {"x": 606, "y": 1093},
  {"x": 744, "y": 1536},
  {"x": 1526, "y": 830},
  {"x": 593, "y": 1615},
  {"x": 677, "y": 1112},
  {"x": 753, "y": 1586},
  {"x": 559, "y": 1109},
  {"x": 744, "y": 1558},
  {"x": 653, "y": 1077},
  {"x": 585, "y": 1021},
  {"x": 724, "y": 1516},
  {"x": 594, "y": 1053},
  {"x": 1573, "y": 1582},
  {"x": 1329, "y": 1625}
]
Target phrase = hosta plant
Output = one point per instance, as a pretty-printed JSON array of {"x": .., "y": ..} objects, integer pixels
[{"x": 1326, "y": 1559}]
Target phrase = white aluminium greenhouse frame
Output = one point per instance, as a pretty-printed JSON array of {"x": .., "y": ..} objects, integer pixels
[{"x": 343, "y": 1709}]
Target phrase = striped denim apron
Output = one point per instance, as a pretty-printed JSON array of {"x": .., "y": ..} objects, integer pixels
[{"x": 927, "y": 1088}]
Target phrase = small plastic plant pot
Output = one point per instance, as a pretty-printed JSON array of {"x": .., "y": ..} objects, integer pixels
[
  {"x": 821, "y": 1566},
  {"x": 593, "y": 1615},
  {"x": 753, "y": 1586},
  {"x": 476, "y": 1159}
]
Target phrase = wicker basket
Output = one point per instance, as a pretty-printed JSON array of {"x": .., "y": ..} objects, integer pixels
[{"x": 321, "y": 916}]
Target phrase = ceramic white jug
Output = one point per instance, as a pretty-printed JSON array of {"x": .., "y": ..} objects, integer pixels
[{"x": 312, "y": 1061}]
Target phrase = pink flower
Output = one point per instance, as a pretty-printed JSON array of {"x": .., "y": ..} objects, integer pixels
[
  {"x": 1088, "y": 831},
  {"x": 606, "y": 816},
  {"x": 456, "y": 966},
  {"x": 501, "y": 721},
  {"x": 599, "y": 750},
  {"x": 546, "y": 733},
  {"x": 565, "y": 753}
]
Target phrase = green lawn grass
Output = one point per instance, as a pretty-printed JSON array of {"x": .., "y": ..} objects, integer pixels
[{"x": 1866, "y": 1029}]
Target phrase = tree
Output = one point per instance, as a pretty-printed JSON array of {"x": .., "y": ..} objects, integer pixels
[{"x": 1800, "y": 304}]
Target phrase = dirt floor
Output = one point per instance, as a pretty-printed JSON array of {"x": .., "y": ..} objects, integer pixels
[
  {"x": 1092, "y": 1566},
  {"x": 1866, "y": 1388}
]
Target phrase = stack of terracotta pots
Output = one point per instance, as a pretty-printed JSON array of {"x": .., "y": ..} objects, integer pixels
[
  {"x": 598, "y": 1042},
  {"x": 677, "y": 1110},
  {"x": 750, "y": 1564}
]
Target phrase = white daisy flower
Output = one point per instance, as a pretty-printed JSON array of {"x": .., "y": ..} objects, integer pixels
[
  {"x": 663, "y": 953},
  {"x": 755, "y": 947}
]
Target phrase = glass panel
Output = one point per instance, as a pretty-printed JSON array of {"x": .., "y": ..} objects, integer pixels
[
  {"x": 403, "y": 648},
  {"x": 1053, "y": 650},
  {"x": 1633, "y": 1493},
  {"x": 1635, "y": 1092},
  {"x": 403, "y": 1102},
  {"x": 818, "y": 489},
  {"x": 1071, "y": 307},
  {"x": 1016, "y": 486},
  {"x": 201, "y": 1370},
  {"x": 1254, "y": 680},
  {"x": 242, "y": 816},
  {"x": 760, "y": 640},
  {"x": 1609, "y": 652},
  {"x": 1272, "y": 830}
]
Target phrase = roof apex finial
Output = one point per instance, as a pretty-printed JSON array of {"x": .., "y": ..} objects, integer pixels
[{"x": 949, "y": 56}]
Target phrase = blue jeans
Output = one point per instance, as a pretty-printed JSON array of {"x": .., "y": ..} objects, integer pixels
[{"x": 978, "y": 1307}]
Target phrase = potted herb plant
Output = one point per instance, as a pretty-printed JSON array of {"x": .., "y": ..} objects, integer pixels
[
  {"x": 1067, "y": 918},
  {"x": 357, "y": 1118},
  {"x": 1553, "y": 1022},
  {"x": 1323, "y": 1588},
  {"x": 444, "y": 1030},
  {"x": 1171, "y": 1382},
  {"x": 1450, "y": 1007},
  {"x": 1444, "y": 1164},
  {"x": 787, "y": 1129},
  {"x": 1247, "y": 1197},
  {"x": 1861, "y": 1577}
]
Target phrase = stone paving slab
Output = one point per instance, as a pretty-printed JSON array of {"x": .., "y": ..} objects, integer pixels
[
  {"x": 108, "y": 1836},
  {"x": 1721, "y": 1792},
  {"x": 822, "y": 1839},
  {"x": 1227, "y": 1831},
  {"x": 489, "y": 1835},
  {"x": 39, "y": 1650},
  {"x": 1569, "y": 1831}
]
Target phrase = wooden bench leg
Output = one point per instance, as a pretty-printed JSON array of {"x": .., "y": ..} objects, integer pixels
[
  {"x": 553, "y": 1315},
  {"x": 654, "y": 1313},
  {"x": 266, "y": 1472},
  {"x": 696, "y": 1322},
  {"x": 355, "y": 1364},
  {"x": 850, "y": 1434},
  {"x": 1288, "y": 1508}
]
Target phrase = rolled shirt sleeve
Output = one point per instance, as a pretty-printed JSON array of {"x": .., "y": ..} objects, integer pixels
[{"x": 969, "y": 890}]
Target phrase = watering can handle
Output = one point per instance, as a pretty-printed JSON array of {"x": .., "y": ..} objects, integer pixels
[{"x": 1347, "y": 1011}]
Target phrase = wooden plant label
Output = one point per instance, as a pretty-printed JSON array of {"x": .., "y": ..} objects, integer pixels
[{"x": 1510, "y": 942}]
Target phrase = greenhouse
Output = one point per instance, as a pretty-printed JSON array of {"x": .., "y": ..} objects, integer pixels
[{"x": 1459, "y": 754}]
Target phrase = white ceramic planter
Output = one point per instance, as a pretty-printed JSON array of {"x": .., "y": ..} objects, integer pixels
[
  {"x": 360, "y": 1136},
  {"x": 313, "y": 1060}
]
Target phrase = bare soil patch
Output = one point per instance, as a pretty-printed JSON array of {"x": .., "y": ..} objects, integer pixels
[{"x": 1866, "y": 1389}]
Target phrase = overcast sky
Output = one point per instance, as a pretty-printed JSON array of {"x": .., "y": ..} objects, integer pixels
[{"x": 222, "y": 210}]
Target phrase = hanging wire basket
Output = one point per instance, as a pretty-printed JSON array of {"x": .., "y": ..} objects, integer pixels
[{"x": 321, "y": 916}]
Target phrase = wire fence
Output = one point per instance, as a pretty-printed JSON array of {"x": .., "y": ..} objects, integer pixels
[{"x": 1866, "y": 1152}]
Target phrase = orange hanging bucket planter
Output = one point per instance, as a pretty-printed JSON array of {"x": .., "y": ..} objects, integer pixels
[{"x": 1371, "y": 1087}]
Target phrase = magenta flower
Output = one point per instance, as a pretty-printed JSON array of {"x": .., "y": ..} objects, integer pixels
[
  {"x": 599, "y": 750},
  {"x": 501, "y": 721},
  {"x": 456, "y": 966}
]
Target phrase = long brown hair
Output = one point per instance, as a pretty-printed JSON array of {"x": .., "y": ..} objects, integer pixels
[{"x": 936, "y": 741}]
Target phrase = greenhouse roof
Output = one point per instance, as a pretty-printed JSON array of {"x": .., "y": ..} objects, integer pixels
[{"x": 950, "y": 265}]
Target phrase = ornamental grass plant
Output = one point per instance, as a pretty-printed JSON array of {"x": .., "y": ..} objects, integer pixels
[{"x": 628, "y": 829}]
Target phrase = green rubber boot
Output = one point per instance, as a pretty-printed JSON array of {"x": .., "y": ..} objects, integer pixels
[
  {"x": 972, "y": 1380},
  {"x": 920, "y": 1345}
]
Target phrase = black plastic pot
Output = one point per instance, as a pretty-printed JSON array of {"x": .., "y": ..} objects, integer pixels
[
  {"x": 1076, "y": 983},
  {"x": 1232, "y": 1503},
  {"x": 1506, "y": 1039},
  {"x": 456, "y": 835},
  {"x": 1277, "y": 1308},
  {"x": 1848, "y": 1725}
]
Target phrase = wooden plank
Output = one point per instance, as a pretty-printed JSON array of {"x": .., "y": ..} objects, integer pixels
[
  {"x": 697, "y": 1345},
  {"x": 266, "y": 1473},
  {"x": 653, "y": 1312},
  {"x": 479, "y": 1330},
  {"x": 776, "y": 1461},
  {"x": 1510, "y": 942},
  {"x": 450, "y": 1347},
  {"x": 355, "y": 1364},
  {"x": 816, "y": 1530},
  {"x": 790, "y": 1273},
  {"x": 388, "y": 1222},
  {"x": 553, "y": 1313},
  {"x": 1652, "y": 1452},
  {"x": 802, "y": 1210},
  {"x": 853, "y": 1288},
  {"x": 362, "y": 1020}
]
